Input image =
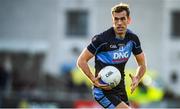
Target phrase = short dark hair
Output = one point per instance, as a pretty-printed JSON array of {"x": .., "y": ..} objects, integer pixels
[{"x": 121, "y": 7}]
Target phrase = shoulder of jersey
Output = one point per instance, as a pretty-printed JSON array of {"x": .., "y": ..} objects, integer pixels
[
  {"x": 131, "y": 34},
  {"x": 106, "y": 34}
]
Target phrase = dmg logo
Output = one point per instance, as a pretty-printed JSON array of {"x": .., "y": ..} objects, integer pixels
[{"x": 120, "y": 55}]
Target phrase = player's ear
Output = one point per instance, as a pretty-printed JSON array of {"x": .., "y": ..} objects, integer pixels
[{"x": 129, "y": 20}]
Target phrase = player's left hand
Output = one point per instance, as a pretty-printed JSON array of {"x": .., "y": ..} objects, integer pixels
[
  {"x": 97, "y": 83},
  {"x": 135, "y": 82}
]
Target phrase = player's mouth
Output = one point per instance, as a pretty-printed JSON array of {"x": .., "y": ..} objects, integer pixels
[{"x": 120, "y": 29}]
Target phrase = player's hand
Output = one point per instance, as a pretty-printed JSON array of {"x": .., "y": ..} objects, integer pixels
[
  {"x": 99, "y": 85},
  {"x": 135, "y": 82}
]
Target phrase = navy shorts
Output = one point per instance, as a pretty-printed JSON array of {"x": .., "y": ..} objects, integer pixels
[{"x": 109, "y": 100}]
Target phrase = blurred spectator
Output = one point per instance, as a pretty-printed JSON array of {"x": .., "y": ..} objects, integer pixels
[
  {"x": 68, "y": 67},
  {"x": 3, "y": 83},
  {"x": 174, "y": 77}
]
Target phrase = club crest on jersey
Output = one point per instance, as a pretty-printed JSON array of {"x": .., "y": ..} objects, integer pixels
[{"x": 120, "y": 45}]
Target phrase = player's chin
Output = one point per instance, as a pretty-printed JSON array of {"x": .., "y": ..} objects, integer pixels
[{"x": 120, "y": 32}]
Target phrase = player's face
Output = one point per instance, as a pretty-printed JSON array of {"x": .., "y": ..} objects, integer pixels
[{"x": 120, "y": 22}]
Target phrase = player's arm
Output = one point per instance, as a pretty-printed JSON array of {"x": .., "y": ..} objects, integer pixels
[
  {"x": 140, "y": 59},
  {"x": 82, "y": 63},
  {"x": 141, "y": 66}
]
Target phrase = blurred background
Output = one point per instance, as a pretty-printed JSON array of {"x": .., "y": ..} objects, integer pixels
[{"x": 40, "y": 41}]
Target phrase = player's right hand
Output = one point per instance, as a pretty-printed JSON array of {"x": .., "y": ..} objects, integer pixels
[{"x": 99, "y": 85}]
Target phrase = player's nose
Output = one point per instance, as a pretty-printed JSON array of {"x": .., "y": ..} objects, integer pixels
[{"x": 119, "y": 22}]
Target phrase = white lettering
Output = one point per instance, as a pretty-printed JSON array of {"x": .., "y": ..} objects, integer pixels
[{"x": 120, "y": 55}]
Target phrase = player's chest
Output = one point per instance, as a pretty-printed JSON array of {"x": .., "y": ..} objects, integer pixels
[
  {"x": 115, "y": 52},
  {"x": 118, "y": 46}
]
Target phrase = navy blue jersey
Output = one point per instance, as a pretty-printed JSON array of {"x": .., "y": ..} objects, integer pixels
[{"x": 110, "y": 50}]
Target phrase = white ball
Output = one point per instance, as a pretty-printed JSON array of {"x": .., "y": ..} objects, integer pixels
[{"x": 110, "y": 75}]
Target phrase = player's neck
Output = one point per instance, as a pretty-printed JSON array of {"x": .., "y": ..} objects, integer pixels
[{"x": 121, "y": 36}]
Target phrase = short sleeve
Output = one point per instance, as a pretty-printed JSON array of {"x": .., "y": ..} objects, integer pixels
[
  {"x": 95, "y": 43},
  {"x": 136, "y": 46}
]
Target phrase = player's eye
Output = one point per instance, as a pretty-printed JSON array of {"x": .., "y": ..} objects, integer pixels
[
  {"x": 116, "y": 18},
  {"x": 123, "y": 18}
]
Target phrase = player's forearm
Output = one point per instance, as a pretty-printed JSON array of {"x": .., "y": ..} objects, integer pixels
[
  {"x": 82, "y": 64},
  {"x": 140, "y": 72}
]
